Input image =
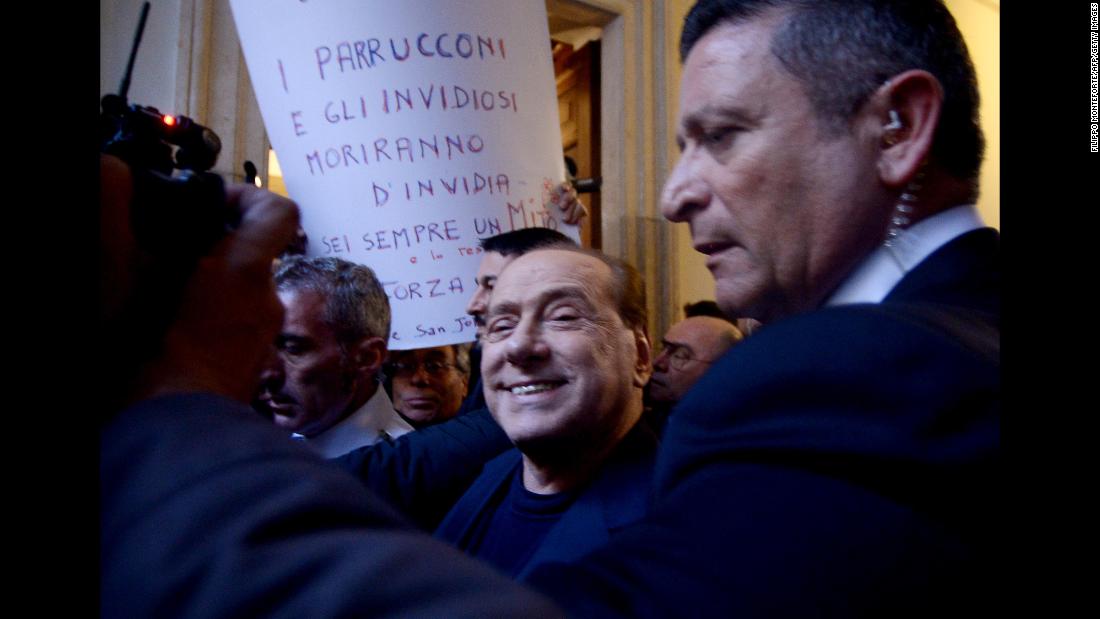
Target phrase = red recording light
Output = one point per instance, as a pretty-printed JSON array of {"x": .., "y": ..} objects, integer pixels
[{"x": 169, "y": 120}]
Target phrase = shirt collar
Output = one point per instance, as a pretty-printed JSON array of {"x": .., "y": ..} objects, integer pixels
[
  {"x": 363, "y": 427},
  {"x": 880, "y": 271}
]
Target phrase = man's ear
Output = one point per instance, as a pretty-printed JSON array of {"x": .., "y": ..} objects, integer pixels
[
  {"x": 643, "y": 365},
  {"x": 368, "y": 355},
  {"x": 903, "y": 114}
]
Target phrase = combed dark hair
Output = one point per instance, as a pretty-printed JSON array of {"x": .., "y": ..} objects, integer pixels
[
  {"x": 356, "y": 306},
  {"x": 842, "y": 51},
  {"x": 630, "y": 289},
  {"x": 519, "y": 242},
  {"x": 705, "y": 308}
]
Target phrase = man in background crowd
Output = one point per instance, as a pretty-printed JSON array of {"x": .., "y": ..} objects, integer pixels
[
  {"x": 687, "y": 351},
  {"x": 429, "y": 384},
  {"x": 709, "y": 308},
  {"x": 322, "y": 384}
]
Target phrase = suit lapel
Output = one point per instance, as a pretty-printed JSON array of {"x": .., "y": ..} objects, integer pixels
[
  {"x": 965, "y": 271},
  {"x": 956, "y": 290},
  {"x": 617, "y": 497},
  {"x": 456, "y": 527}
]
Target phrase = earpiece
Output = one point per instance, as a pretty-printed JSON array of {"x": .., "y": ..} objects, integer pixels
[
  {"x": 891, "y": 129},
  {"x": 895, "y": 122}
]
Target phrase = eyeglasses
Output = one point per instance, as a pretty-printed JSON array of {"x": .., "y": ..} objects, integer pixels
[
  {"x": 679, "y": 356},
  {"x": 407, "y": 369}
]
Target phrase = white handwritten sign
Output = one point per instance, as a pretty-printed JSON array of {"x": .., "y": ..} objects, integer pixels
[{"x": 406, "y": 132}]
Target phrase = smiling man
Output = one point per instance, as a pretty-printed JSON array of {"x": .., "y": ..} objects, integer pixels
[
  {"x": 499, "y": 251},
  {"x": 564, "y": 362}
]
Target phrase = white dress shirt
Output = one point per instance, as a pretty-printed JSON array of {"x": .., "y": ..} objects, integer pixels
[
  {"x": 879, "y": 272},
  {"x": 363, "y": 427}
]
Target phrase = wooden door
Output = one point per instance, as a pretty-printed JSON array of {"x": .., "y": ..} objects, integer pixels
[{"x": 578, "y": 79}]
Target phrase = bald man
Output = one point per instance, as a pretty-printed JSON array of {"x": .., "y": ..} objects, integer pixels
[{"x": 687, "y": 351}]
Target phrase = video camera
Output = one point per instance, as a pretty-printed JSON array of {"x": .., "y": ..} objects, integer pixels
[{"x": 177, "y": 216}]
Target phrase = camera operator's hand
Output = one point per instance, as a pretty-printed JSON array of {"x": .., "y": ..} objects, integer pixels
[
  {"x": 229, "y": 314},
  {"x": 565, "y": 197}
]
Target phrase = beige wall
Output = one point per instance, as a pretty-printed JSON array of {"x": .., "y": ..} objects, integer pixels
[
  {"x": 694, "y": 282},
  {"x": 154, "y": 79},
  {"x": 189, "y": 64},
  {"x": 640, "y": 75},
  {"x": 980, "y": 23}
]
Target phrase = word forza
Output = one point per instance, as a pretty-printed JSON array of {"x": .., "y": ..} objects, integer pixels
[{"x": 364, "y": 54}]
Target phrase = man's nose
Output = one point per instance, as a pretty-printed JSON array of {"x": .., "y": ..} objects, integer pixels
[
  {"x": 476, "y": 306},
  {"x": 660, "y": 363},
  {"x": 272, "y": 374},
  {"x": 526, "y": 343},
  {"x": 420, "y": 375},
  {"x": 684, "y": 192}
]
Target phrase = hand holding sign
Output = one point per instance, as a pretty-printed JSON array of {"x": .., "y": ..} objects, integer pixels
[{"x": 566, "y": 198}]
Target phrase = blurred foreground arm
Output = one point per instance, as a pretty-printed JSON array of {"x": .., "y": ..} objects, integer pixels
[
  {"x": 228, "y": 313},
  {"x": 424, "y": 473},
  {"x": 206, "y": 509}
]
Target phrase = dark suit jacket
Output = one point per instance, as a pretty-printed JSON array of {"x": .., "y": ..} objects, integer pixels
[
  {"x": 841, "y": 463},
  {"x": 423, "y": 473},
  {"x": 617, "y": 496},
  {"x": 476, "y": 398},
  {"x": 207, "y": 510}
]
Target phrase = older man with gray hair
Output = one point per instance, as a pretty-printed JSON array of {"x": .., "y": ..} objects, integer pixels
[
  {"x": 322, "y": 384},
  {"x": 566, "y": 358}
]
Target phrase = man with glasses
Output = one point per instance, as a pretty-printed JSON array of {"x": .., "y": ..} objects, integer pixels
[
  {"x": 429, "y": 384},
  {"x": 687, "y": 350}
]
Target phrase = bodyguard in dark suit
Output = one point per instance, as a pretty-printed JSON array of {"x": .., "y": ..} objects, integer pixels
[{"x": 843, "y": 461}]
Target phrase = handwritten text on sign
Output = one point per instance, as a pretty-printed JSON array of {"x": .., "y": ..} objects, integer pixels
[{"x": 407, "y": 132}]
